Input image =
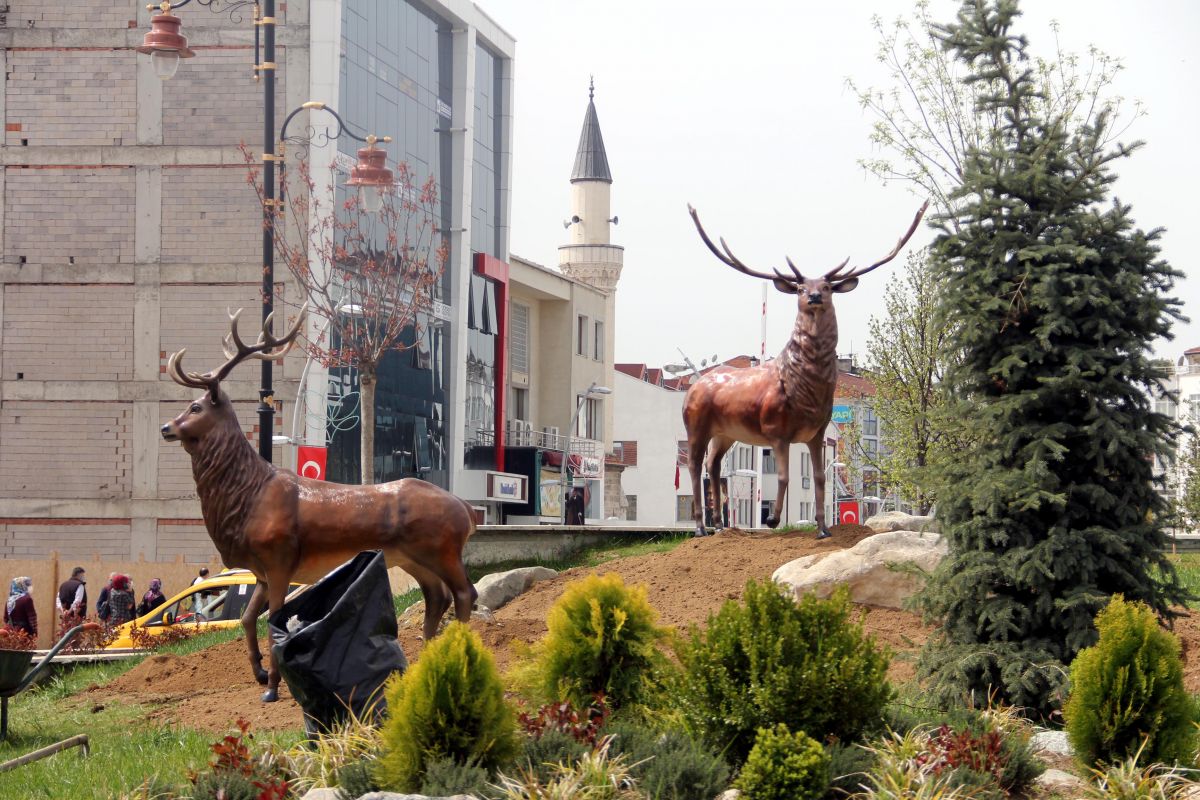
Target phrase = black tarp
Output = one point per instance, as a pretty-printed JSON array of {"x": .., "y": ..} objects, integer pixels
[{"x": 335, "y": 644}]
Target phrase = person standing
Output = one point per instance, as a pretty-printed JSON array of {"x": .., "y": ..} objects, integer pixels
[
  {"x": 120, "y": 601},
  {"x": 152, "y": 599},
  {"x": 102, "y": 601},
  {"x": 72, "y": 594},
  {"x": 19, "y": 613},
  {"x": 203, "y": 576}
]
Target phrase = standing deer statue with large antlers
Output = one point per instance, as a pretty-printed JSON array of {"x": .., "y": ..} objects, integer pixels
[
  {"x": 285, "y": 528},
  {"x": 779, "y": 403}
]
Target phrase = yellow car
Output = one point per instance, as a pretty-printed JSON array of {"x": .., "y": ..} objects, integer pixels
[{"x": 214, "y": 603}]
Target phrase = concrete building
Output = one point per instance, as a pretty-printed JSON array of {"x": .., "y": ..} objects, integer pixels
[
  {"x": 128, "y": 228},
  {"x": 1182, "y": 384}
]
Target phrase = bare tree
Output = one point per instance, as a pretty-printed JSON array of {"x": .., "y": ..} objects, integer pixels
[{"x": 373, "y": 278}]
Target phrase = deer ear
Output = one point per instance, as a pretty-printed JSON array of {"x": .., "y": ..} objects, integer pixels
[
  {"x": 846, "y": 286},
  {"x": 787, "y": 287}
]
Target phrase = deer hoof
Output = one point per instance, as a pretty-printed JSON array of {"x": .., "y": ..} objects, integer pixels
[
  {"x": 270, "y": 695},
  {"x": 824, "y": 534},
  {"x": 700, "y": 532},
  {"x": 260, "y": 675}
]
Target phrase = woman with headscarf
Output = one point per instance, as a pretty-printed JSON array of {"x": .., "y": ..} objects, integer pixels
[
  {"x": 120, "y": 601},
  {"x": 152, "y": 599},
  {"x": 19, "y": 612}
]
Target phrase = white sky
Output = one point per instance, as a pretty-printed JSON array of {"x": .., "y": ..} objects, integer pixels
[{"x": 742, "y": 110}]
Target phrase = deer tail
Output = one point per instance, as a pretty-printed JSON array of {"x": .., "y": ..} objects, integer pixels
[{"x": 470, "y": 515}]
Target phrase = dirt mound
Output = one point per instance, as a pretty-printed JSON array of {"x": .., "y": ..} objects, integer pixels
[{"x": 207, "y": 691}]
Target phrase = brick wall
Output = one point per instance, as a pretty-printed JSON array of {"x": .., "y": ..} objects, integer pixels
[
  {"x": 65, "y": 450},
  {"x": 68, "y": 332},
  {"x": 39, "y": 538},
  {"x": 218, "y": 102},
  {"x": 63, "y": 14},
  {"x": 193, "y": 316},
  {"x": 65, "y": 216},
  {"x": 210, "y": 215},
  {"x": 98, "y": 87},
  {"x": 186, "y": 539},
  {"x": 175, "y": 466}
]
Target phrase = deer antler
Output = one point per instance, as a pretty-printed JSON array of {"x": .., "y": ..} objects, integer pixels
[
  {"x": 729, "y": 258},
  {"x": 833, "y": 274},
  {"x": 236, "y": 351}
]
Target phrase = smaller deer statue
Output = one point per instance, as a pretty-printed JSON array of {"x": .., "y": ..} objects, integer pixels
[
  {"x": 285, "y": 528},
  {"x": 781, "y": 402}
]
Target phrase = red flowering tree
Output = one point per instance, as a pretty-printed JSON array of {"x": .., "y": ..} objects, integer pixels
[{"x": 370, "y": 278}]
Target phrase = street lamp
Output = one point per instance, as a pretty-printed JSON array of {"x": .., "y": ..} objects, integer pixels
[
  {"x": 562, "y": 474},
  {"x": 166, "y": 45}
]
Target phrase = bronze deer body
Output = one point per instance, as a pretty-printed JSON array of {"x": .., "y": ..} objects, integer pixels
[
  {"x": 780, "y": 403},
  {"x": 285, "y": 528}
]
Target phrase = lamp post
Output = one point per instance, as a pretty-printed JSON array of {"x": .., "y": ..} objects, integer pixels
[
  {"x": 562, "y": 474},
  {"x": 166, "y": 46}
]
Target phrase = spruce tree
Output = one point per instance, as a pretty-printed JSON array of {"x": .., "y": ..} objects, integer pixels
[{"x": 1053, "y": 297}]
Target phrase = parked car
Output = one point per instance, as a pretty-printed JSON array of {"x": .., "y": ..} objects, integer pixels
[{"x": 215, "y": 603}]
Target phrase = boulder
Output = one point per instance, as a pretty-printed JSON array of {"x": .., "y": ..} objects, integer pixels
[
  {"x": 878, "y": 570},
  {"x": 499, "y": 588},
  {"x": 1052, "y": 742},
  {"x": 396, "y": 796},
  {"x": 414, "y": 616},
  {"x": 1058, "y": 782},
  {"x": 899, "y": 521}
]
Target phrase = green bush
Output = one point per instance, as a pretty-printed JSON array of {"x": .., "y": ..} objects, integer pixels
[
  {"x": 772, "y": 660},
  {"x": 1127, "y": 692},
  {"x": 848, "y": 766},
  {"x": 356, "y": 779},
  {"x": 602, "y": 638},
  {"x": 539, "y": 754},
  {"x": 446, "y": 776},
  {"x": 449, "y": 704},
  {"x": 669, "y": 765},
  {"x": 784, "y": 766}
]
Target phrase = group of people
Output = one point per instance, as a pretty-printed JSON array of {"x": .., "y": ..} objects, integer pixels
[{"x": 116, "y": 605}]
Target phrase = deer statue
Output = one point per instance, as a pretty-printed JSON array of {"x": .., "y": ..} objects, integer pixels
[
  {"x": 285, "y": 528},
  {"x": 778, "y": 403}
]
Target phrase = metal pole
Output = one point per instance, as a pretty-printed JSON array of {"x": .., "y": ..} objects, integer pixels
[
  {"x": 562, "y": 474},
  {"x": 266, "y": 405},
  {"x": 79, "y": 740}
]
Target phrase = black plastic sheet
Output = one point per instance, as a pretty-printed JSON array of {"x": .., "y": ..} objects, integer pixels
[{"x": 335, "y": 644}]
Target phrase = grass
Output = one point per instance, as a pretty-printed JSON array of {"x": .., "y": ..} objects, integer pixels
[
  {"x": 587, "y": 557},
  {"x": 1187, "y": 567}
]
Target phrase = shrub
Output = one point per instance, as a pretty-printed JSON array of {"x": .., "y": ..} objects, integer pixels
[
  {"x": 1129, "y": 780},
  {"x": 563, "y": 717},
  {"x": 670, "y": 765},
  {"x": 144, "y": 640},
  {"x": 16, "y": 639},
  {"x": 901, "y": 771},
  {"x": 784, "y": 766},
  {"x": 977, "y": 754},
  {"x": 235, "y": 773},
  {"x": 848, "y": 768},
  {"x": 450, "y": 703},
  {"x": 356, "y": 779},
  {"x": 595, "y": 776},
  {"x": 602, "y": 638},
  {"x": 321, "y": 761},
  {"x": 772, "y": 660},
  {"x": 540, "y": 754},
  {"x": 446, "y": 776},
  {"x": 1127, "y": 692}
]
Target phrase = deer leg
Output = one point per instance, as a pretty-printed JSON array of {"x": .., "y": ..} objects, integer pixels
[
  {"x": 816, "y": 448},
  {"x": 276, "y": 592},
  {"x": 436, "y": 594},
  {"x": 781, "y": 451},
  {"x": 254, "y": 607},
  {"x": 717, "y": 449},
  {"x": 696, "y": 448},
  {"x": 454, "y": 575}
]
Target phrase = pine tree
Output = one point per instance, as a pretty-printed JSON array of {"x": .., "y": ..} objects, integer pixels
[{"x": 1053, "y": 297}]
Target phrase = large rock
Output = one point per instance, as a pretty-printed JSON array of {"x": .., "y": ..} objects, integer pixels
[
  {"x": 878, "y": 569},
  {"x": 1060, "y": 783},
  {"x": 499, "y": 588},
  {"x": 1052, "y": 742},
  {"x": 414, "y": 616},
  {"x": 899, "y": 521},
  {"x": 396, "y": 796}
]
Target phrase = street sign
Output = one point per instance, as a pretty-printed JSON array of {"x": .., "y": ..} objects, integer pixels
[
  {"x": 843, "y": 414},
  {"x": 848, "y": 512}
]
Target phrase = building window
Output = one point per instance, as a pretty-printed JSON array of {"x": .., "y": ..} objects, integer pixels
[
  {"x": 769, "y": 467},
  {"x": 805, "y": 465},
  {"x": 518, "y": 338},
  {"x": 520, "y": 404},
  {"x": 631, "y": 506},
  {"x": 870, "y": 422},
  {"x": 684, "y": 508},
  {"x": 598, "y": 344},
  {"x": 871, "y": 446},
  {"x": 581, "y": 334},
  {"x": 681, "y": 454},
  {"x": 594, "y": 429}
]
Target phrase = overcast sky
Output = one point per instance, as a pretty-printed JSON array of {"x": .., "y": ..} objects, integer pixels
[{"x": 743, "y": 111}]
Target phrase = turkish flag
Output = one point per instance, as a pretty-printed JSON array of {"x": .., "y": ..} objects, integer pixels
[
  {"x": 676, "y": 476},
  {"x": 310, "y": 462},
  {"x": 848, "y": 512}
]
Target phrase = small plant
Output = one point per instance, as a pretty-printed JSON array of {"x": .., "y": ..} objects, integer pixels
[
  {"x": 86, "y": 641},
  {"x": 356, "y": 779},
  {"x": 1127, "y": 694},
  {"x": 901, "y": 772},
  {"x": 16, "y": 639},
  {"x": 449, "y": 704},
  {"x": 597, "y": 775},
  {"x": 602, "y": 637},
  {"x": 771, "y": 660},
  {"x": 670, "y": 765},
  {"x": 848, "y": 768},
  {"x": 236, "y": 774},
  {"x": 563, "y": 717},
  {"x": 322, "y": 761},
  {"x": 446, "y": 777},
  {"x": 142, "y": 639},
  {"x": 540, "y": 755},
  {"x": 1129, "y": 780},
  {"x": 784, "y": 766}
]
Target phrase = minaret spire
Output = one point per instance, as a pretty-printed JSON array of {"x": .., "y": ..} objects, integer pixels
[{"x": 591, "y": 162}]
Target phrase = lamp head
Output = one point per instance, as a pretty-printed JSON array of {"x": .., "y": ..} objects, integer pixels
[{"x": 165, "y": 44}]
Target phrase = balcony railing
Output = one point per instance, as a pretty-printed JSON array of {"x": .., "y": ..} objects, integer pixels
[{"x": 543, "y": 440}]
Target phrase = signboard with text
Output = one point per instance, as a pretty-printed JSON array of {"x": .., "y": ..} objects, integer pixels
[
  {"x": 506, "y": 487},
  {"x": 843, "y": 414}
]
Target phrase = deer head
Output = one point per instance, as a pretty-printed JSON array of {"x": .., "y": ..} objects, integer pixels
[
  {"x": 213, "y": 409},
  {"x": 814, "y": 295}
]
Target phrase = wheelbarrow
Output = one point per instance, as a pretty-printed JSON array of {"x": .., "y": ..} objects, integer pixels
[{"x": 16, "y": 677}]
